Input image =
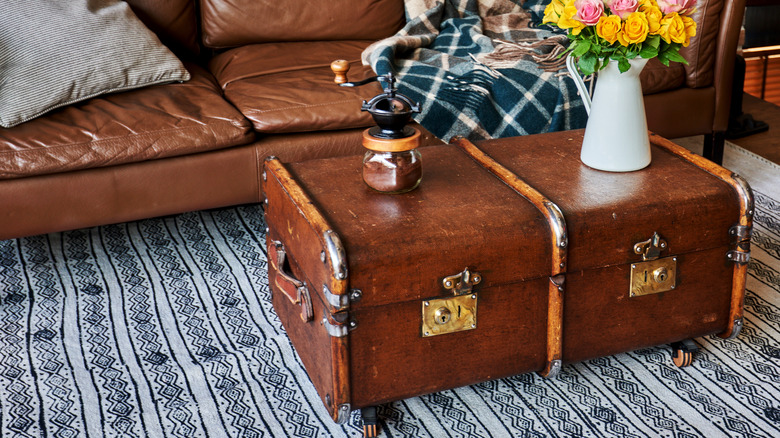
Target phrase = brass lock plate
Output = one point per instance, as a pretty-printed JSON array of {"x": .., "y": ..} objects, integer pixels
[
  {"x": 449, "y": 315},
  {"x": 653, "y": 276}
]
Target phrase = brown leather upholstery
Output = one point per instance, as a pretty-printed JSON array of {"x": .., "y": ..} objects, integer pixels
[
  {"x": 105, "y": 195},
  {"x": 657, "y": 77},
  {"x": 700, "y": 53},
  {"x": 174, "y": 21},
  {"x": 288, "y": 87},
  {"x": 229, "y": 23},
  {"x": 700, "y": 105},
  {"x": 292, "y": 148},
  {"x": 682, "y": 112},
  {"x": 730, "y": 26},
  {"x": 145, "y": 124}
]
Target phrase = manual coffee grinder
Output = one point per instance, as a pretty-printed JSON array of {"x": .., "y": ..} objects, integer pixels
[{"x": 392, "y": 163}]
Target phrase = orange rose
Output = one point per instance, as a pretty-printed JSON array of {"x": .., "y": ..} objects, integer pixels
[
  {"x": 568, "y": 20},
  {"x": 690, "y": 29},
  {"x": 609, "y": 27},
  {"x": 553, "y": 12},
  {"x": 635, "y": 29},
  {"x": 673, "y": 29},
  {"x": 654, "y": 16}
]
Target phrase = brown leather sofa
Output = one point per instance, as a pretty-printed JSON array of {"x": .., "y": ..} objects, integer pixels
[{"x": 261, "y": 85}]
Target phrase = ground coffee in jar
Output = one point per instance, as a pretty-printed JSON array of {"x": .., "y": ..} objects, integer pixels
[
  {"x": 392, "y": 172},
  {"x": 392, "y": 165}
]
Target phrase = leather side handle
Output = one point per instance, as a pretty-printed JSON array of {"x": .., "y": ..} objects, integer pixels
[{"x": 295, "y": 290}]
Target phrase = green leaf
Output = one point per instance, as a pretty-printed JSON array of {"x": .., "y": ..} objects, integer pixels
[
  {"x": 581, "y": 48},
  {"x": 664, "y": 58},
  {"x": 674, "y": 55},
  {"x": 653, "y": 41},
  {"x": 587, "y": 63},
  {"x": 648, "y": 51},
  {"x": 623, "y": 65},
  {"x": 650, "y": 47}
]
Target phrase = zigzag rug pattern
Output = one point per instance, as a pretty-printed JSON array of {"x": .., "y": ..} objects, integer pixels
[{"x": 164, "y": 328}]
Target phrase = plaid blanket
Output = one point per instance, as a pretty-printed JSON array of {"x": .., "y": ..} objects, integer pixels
[{"x": 481, "y": 68}]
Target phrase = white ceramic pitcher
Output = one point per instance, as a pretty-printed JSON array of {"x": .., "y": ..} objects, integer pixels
[{"x": 616, "y": 137}]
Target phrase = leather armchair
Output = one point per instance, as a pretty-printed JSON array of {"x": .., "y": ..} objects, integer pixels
[{"x": 700, "y": 101}]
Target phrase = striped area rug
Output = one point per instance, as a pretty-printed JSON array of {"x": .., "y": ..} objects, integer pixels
[{"x": 164, "y": 328}]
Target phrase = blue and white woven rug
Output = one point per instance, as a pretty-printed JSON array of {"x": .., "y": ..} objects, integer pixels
[{"x": 164, "y": 328}]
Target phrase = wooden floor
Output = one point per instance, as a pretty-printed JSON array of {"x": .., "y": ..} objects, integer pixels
[{"x": 766, "y": 144}]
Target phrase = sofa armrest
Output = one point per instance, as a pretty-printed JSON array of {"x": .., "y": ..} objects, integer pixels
[{"x": 725, "y": 54}]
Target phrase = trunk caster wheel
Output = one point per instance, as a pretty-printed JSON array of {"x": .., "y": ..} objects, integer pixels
[
  {"x": 369, "y": 422},
  {"x": 682, "y": 352}
]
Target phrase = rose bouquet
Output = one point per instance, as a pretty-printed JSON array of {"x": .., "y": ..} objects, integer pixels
[{"x": 619, "y": 30}]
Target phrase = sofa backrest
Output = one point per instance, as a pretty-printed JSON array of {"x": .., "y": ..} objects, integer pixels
[
  {"x": 228, "y": 23},
  {"x": 174, "y": 21},
  {"x": 702, "y": 51}
]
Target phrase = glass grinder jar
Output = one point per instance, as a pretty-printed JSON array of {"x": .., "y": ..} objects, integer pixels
[{"x": 392, "y": 163}]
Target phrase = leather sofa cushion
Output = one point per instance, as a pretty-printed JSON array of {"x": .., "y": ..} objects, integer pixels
[
  {"x": 680, "y": 112},
  {"x": 288, "y": 87},
  {"x": 148, "y": 123},
  {"x": 701, "y": 53},
  {"x": 656, "y": 77},
  {"x": 174, "y": 21},
  {"x": 230, "y": 23}
]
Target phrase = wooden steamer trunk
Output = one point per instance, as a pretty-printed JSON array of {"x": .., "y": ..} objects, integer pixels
[{"x": 511, "y": 257}]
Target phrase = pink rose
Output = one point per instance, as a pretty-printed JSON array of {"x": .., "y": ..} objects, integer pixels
[
  {"x": 589, "y": 11},
  {"x": 623, "y": 8},
  {"x": 682, "y": 7}
]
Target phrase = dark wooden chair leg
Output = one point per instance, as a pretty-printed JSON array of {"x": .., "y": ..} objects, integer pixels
[{"x": 714, "y": 144}]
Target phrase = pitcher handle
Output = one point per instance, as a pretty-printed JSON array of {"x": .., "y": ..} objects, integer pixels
[{"x": 575, "y": 74}]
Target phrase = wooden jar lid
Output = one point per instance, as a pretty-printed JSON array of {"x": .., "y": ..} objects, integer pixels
[{"x": 391, "y": 145}]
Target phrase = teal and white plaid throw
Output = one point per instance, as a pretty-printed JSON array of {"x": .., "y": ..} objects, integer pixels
[{"x": 481, "y": 69}]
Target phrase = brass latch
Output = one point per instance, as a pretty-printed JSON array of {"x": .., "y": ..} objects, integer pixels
[
  {"x": 651, "y": 248},
  {"x": 456, "y": 313},
  {"x": 653, "y": 275},
  {"x": 462, "y": 283}
]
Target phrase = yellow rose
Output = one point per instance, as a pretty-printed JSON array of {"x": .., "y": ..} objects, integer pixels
[
  {"x": 647, "y": 3},
  {"x": 673, "y": 28},
  {"x": 690, "y": 29},
  {"x": 608, "y": 27},
  {"x": 568, "y": 21},
  {"x": 654, "y": 16},
  {"x": 635, "y": 29},
  {"x": 553, "y": 12}
]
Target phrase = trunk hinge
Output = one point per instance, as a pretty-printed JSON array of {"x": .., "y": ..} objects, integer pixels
[
  {"x": 740, "y": 238},
  {"x": 335, "y": 328},
  {"x": 338, "y": 302}
]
